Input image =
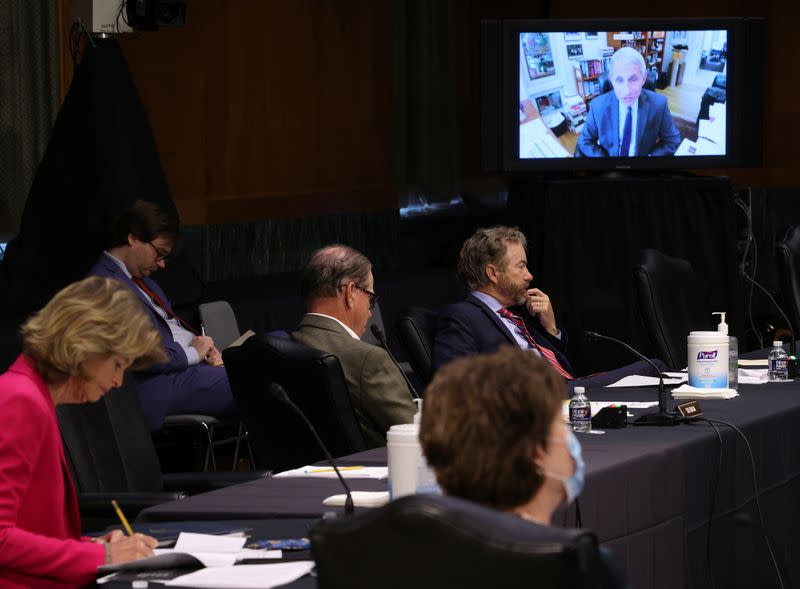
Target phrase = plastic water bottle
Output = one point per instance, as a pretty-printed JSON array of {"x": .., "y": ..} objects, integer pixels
[
  {"x": 580, "y": 411},
  {"x": 778, "y": 362}
]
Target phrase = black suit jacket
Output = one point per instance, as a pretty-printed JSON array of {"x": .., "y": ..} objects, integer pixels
[{"x": 470, "y": 327}]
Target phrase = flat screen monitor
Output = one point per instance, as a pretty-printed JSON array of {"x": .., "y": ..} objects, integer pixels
[{"x": 628, "y": 94}]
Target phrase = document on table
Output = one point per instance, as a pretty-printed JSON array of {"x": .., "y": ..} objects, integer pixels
[
  {"x": 348, "y": 472},
  {"x": 195, "y": 550},
  {"x": 761, "y": 362},
  {"x": 360, "y": 499},
  {"x": 598, "y": 405},
  {"x": 753, "y": 376},
  {"x": 687, "y": 392},
  {"x": 246, "y": 576},
  {"x": 636, "y": 380}
]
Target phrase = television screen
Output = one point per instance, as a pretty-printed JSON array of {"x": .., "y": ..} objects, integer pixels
[{"x": 659, "y": 95}]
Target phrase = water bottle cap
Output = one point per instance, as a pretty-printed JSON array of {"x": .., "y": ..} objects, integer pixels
[
  {"x": 579, "y": 390},
  {"x": 777, "y": 344}
]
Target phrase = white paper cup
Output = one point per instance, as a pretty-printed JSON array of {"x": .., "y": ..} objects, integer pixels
[{"x": 404, "y": 456}]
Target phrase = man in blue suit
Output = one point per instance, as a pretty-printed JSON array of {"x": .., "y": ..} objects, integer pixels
[
  {"x": 630, "y": 121},
  {"x": 192, "y": 380},
  {"x": 501, "y": 309}
]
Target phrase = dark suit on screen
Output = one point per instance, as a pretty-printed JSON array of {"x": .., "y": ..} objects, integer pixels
[
  {"x": 470, "y": 327},
  {"x": 175, "y": 387},
  {"x": 377, "y": 390},
  {"x": 656, "y": 134}
]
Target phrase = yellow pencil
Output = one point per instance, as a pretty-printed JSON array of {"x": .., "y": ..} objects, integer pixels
[
  {"x": 122, "y": 518},
  {"x": 329, "y": 469}
]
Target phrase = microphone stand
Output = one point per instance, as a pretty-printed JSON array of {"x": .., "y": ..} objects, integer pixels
[
  {"x": 663, "y": 416},
  {"x": 279, "y": 394},
  {"x": 381, "y": 337},
  {"x": 792, "y": 346}
]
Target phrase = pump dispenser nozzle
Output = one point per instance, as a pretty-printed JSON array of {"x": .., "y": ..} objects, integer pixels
[{"x": 722, "y": 327}]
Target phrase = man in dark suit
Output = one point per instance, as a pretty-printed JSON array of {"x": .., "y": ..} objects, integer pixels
[
  {"x": 192, "y": 380},
  {"x": 501, "y": 309},
  {"x": 339, "y": 290},
  {"x": 630, "y": 121}
]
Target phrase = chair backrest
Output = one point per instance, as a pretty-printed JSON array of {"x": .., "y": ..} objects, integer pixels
[
  {"x": 219, "y": 322},
  {"x": 433, "y": 541},
  {"x": 416, "y": 330},
  {"x": 108, "y": 444},
  {"x": 669, "y": 304},
  {"x": 788, "y": 266},
  {"x": 313, "y": 380}
]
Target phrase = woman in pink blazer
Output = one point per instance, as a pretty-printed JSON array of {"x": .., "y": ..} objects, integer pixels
[{"x": 74, "y": 351}]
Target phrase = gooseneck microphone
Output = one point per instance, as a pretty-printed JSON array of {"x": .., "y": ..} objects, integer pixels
[
  {"x": 747, "y": 277},
  {"x": 663, "y": 416},
  {"x": 381, "y": 337},
  {"x": 279, "y": 394}
]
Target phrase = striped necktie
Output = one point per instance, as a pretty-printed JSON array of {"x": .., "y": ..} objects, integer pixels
[
  {"x": 522, "y": 330},
  {"x": 157, "y": 300}
]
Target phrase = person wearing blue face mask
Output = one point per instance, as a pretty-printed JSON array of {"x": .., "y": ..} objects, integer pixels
[{"x": 493, "y": 432}]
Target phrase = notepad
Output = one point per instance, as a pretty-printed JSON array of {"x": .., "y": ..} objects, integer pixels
[
  {"x": 348, "y": 472},
  {"x": 247, "y": 576},
  {"x": 194, "y": 551}
]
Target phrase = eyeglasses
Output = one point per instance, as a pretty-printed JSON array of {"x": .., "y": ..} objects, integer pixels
[
  {"x": 160, "y": 255},
  {"x": 373, "y": 298}
]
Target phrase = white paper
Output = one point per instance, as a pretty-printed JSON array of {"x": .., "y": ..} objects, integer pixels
[
  {"x": 348, "y": 472},
  {"x": 246, "y": 576},
  {"x": 360, "y": 499},
  {"x": 598, "y": 405},
  {"x": 635, "y": 380},
  {"x": 190, "y": 542},
  {"x": 753, "y": 376},
  {"x": 753, "y": 363},
  {"x": 687, "y": 392},
  {"x": 536, "y": 142}
]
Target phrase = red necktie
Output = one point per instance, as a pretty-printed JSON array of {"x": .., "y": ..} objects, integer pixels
[
  {"x": 522, "y": 330},
  {"x": 157, "y": 300}
]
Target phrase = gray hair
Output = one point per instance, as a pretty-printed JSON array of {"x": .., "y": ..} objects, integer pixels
[
  {"x": 486, "y": 246},
  {"x": 331, "y": 267},
  {"x": 629, "y": 55}
]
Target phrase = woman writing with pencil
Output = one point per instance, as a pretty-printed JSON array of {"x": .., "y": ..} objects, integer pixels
[{"x": 74, "y": 350}]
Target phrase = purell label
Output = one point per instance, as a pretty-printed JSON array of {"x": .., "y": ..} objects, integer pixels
[{"x": 707, "y": 355}]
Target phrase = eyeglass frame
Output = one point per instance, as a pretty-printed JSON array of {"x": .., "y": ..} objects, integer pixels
[
  {"x": 160, "y": 257},
  {"x": 373, "y": 298}
]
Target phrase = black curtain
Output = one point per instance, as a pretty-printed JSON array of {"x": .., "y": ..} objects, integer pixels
[
  {"x": 100, "y": 158},
  {"x": 585, "y": 236}
]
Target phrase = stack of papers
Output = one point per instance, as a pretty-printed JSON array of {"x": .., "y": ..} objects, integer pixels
[
  {"x": 753, "y": 376},
  {"x": 246, "y": 576},
  {"x": 195, "y": 550},
  {"x": 687, "y": 392},
  {"x": 348, "y": 472},
  {"x": 636, "y": 380},
  {"x": 360, "y": 499}
]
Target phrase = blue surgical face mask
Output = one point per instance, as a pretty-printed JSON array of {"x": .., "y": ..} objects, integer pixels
[{"x": 573, "y": 484}]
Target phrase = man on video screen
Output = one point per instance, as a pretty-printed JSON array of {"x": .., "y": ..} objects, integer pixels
[{"x": 630, "y": 121}]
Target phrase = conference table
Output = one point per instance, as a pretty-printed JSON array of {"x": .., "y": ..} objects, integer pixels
[{"x": 651, "y": 493}]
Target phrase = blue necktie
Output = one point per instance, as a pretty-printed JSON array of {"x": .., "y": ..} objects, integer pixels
[{"x": 626, "y": 135}]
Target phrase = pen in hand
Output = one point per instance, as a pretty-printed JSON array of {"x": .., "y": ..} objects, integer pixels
[{"x": 122, "y": 518}]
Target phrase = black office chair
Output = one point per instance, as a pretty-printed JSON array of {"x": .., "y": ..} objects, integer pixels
[
  {"x": 434, "y": 541},
  {"x": 313, "y": 380},
  {"x": 670, "y": 307},
  {"x": 788, "y": 266},
  {"x": 111, "y": 455},
  {"x": 416, "y": 330}
]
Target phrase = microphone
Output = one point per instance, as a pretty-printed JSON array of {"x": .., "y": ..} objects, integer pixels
[
  {"x": 381, "y": 337},
  {"x": 662, "y": 416},
  {"x": 747, "y": 277},
  {"x": 279, "y": 394}
]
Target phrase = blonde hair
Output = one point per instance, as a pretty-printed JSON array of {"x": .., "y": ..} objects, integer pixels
[{"x": 96, "y": 317}]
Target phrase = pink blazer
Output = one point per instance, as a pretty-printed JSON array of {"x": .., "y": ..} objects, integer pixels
[{"x": 40, "y": 529}]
